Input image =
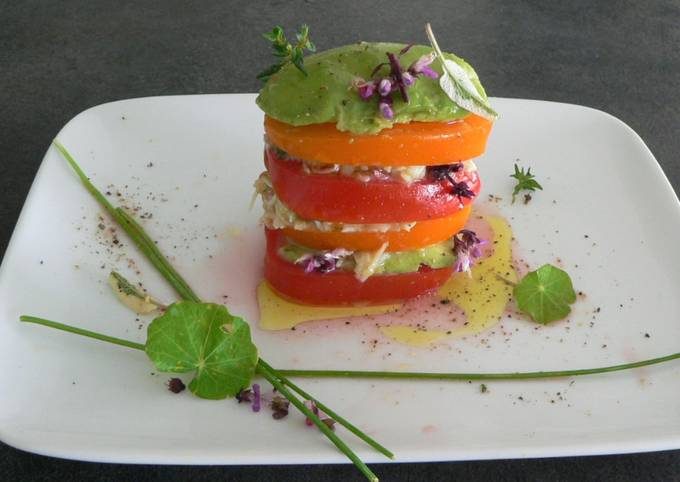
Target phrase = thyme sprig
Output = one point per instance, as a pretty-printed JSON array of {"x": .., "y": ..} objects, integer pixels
[
  {"x": 525, "y": 181},
  {"x": 286, "y": 52}
]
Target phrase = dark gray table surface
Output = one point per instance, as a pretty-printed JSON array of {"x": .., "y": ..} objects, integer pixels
[{"x": 59, "y": 58}]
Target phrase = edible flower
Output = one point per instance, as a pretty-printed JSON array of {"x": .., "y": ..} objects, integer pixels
[
  {"x": 279, "y": 407},
  {"x": 256, "y": 397},
  {"x": 422, "y": 66},
  {"x": 461, "y": 189},
  {"x": 322, "y": 416},
  {"x": 322, "y": 262},
  {"x": 398, "y": 79},
  {"x": 446, "y": 171},
  {"x": 467, "y": 248},
  {"x": 365, "y": 89}
]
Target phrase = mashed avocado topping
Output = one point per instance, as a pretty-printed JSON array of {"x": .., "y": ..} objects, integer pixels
[
  {"x": 327, "y": 93},
  {"x": 365, "y": 264}
]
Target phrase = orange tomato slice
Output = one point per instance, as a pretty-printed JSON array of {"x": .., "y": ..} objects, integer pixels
[
  {"x": 412, "y": 144},
  {"x": 424, "y": 233}
]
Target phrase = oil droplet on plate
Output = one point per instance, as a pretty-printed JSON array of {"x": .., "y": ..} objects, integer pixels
[
  {"x": 482, "y": 297},
  {"x": 277, "y": 313}
]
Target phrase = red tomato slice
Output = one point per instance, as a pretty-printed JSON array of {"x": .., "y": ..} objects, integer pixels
[
  {"x": 344, "y": 199},
  {"x": 341, "y": 287}
]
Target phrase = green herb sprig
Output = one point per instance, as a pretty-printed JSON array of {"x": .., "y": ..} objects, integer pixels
[
  {"x": 286, "y": 52},
  {"x": 525, "y": 181}
]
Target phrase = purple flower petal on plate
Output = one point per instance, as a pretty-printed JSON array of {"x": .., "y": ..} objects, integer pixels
[{"x": 256, "y": 397}]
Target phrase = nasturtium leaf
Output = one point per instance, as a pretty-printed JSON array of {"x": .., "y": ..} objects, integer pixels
[
  {"x": 207, "y": 339},
  {"x": 545, "y": 294}
]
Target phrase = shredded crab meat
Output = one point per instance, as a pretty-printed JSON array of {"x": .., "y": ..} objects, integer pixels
[
  {"x": 278, "y": 216},
  {"x": 363, "y": 263},
  {"x": 367, "y": 262},
  {"x": 407, "y": 174}
]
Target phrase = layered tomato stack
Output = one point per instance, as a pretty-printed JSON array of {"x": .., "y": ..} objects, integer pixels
[{"x": 353, "y": 219}]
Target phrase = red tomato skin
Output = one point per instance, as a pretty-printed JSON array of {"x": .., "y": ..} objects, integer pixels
[
  {"x": 344, "y": 199},
  {"x": 341, "y": 288}
]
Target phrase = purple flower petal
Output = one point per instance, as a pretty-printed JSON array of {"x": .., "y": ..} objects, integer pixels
[
  {"x": 396, "y": 72},
  {"x": 385, "y": 106},
  {"x": 384, "y": 87},
  {"x": 408, "y": 78},
  {"x": 466, "y": 247},
  {"x": 324, "y": 262},
  {"x": 422, "y": 63},
  {"x": 428, "y": 72},
  {"x": 462, "y": 189},
  {"x": 366, "y": 89},
  {"x": 311, "y": 406},
  {"x": 256, "y": 397}
]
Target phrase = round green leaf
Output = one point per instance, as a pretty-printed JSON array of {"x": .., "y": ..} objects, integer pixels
[
  {"x": 206, "y": 338},
  {"x": 545, "y": 294}
]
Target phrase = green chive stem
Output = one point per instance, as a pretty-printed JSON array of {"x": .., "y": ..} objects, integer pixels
[
  {"x": 86, "y": 180},
  {"x": 341, "y": 420},
  {"x": 263, "y": 369},
  {"x": 475, "y": 376},
  {"x": 160, "y": 262},
  {"x": 82, "y": 332},
  {"x": 134, "y": 231}
]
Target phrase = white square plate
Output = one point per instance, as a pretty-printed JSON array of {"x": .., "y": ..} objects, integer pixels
[{"x": 607, "y": 212}]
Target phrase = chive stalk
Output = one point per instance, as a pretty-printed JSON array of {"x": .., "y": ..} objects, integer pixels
[
  {"x": 276, "y": 381},
  {"x": 339, "y": 419},
  {"x": 475, "y": 376}
]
